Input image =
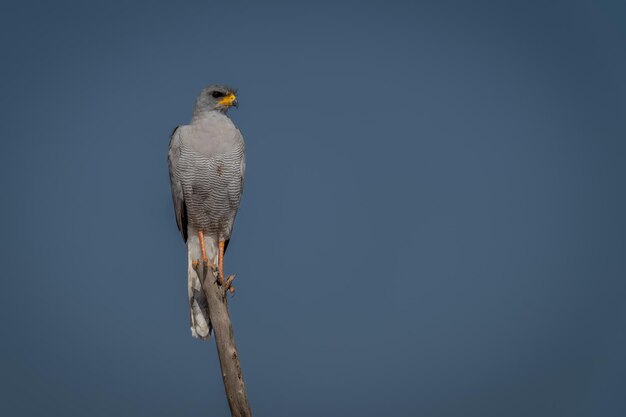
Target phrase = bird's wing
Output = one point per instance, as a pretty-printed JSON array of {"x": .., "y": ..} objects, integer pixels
[
  {"x": 242, "y": 174},
  {"x": 243, "y": 161},
  {"x": 177, "y": 189}
]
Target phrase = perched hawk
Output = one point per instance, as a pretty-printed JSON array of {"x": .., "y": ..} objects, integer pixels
[{"x": 206, "y": 163}]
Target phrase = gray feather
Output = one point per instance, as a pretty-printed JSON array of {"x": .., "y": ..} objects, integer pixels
[
  {"x": 177, "y": 189},
  {"x": 209, "y": 170}
]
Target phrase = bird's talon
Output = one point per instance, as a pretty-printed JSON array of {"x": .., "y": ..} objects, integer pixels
[
  {"x": 208, "y": 265},
  {"x": 229, "y": 280}
]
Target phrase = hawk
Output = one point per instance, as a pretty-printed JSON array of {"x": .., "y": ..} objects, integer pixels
[{"x": 207, "y": 163}]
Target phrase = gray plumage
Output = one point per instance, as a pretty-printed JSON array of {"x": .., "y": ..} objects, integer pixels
[{"x": 206, "y": 164}]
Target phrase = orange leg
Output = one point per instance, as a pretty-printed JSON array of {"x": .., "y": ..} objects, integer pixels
[
  {"x": 202, "y": 248},
  {"x": 220, "y": 261}
]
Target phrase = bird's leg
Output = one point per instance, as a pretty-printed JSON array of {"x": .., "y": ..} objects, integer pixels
[
  {"x": 203, "y": 251},
  {"x": 220, "y": 262},
  {"x": 227, "y": 283},
  {"x": 202, "y": 248}
]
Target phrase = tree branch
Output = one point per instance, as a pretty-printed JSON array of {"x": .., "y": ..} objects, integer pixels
[{"x": 225, "y": 341}]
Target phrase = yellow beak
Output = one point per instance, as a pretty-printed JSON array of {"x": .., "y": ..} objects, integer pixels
[{"x": 229, "y": 100}]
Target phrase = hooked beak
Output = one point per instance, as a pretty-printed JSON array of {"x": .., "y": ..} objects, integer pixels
[{"x": 229, "y": 100}]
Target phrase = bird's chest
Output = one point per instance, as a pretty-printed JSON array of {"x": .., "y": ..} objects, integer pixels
[{"x": 210, "y": 176}]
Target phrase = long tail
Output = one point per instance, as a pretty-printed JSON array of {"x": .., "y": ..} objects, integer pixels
[{"x": 198, "y": 306}]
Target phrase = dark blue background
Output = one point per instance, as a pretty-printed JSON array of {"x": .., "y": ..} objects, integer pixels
[{"x": 432, "y": 222}]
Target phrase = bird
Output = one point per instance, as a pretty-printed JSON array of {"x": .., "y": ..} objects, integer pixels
[{"x": 207, "y": 163}]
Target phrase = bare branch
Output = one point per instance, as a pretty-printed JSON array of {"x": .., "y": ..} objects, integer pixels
[{"x": 225, "y": 341}]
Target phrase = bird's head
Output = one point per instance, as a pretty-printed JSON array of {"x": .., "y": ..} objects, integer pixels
[{"x": 217, "y": 97}]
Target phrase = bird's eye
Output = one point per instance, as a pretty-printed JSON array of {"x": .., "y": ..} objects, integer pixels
[{"x": 217, "y": 94}]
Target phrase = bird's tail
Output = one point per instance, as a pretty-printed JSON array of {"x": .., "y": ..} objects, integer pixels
[{"x": 198, "y": 306}]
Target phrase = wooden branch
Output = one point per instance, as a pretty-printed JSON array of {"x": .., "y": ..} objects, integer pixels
[{"x": 225, "y": 341}]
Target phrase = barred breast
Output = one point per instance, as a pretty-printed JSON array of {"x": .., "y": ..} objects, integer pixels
[{"x": 212, "y": 187}]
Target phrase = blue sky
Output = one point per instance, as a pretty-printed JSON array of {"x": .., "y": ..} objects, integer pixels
[{"x": 432, "y": 221}]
